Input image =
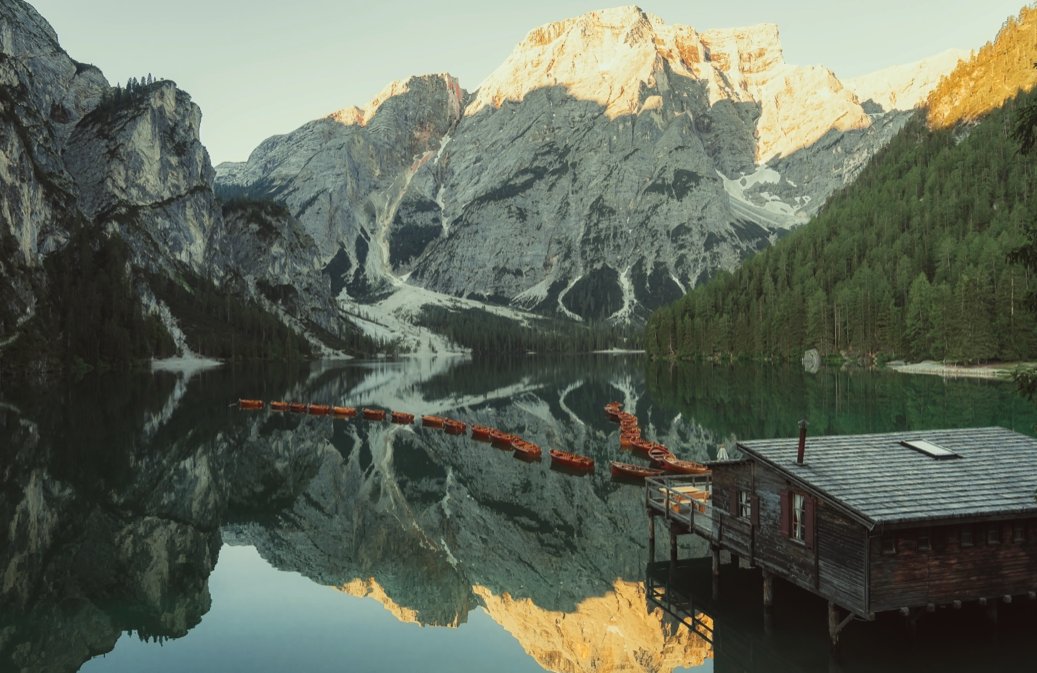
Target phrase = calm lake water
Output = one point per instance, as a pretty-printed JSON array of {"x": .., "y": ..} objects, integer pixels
[{"x": 151, "y": 527}]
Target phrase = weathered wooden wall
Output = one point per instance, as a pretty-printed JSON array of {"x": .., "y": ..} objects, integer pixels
[
  {"x": 949, "y": 571},
  {"x": 833, "y": 567}
]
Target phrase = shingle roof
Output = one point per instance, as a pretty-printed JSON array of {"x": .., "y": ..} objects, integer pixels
[{"x": 885, "y": 482}]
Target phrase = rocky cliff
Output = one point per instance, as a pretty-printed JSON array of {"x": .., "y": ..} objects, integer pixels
[
  {"x": 83, "y": 160},
  {"x": 608, "y": 165}
]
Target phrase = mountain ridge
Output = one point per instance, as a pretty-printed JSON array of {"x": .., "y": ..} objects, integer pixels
[{"x": 613, "y": 102}]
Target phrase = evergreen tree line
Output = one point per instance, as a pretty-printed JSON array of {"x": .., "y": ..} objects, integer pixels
[
  {"x": 221, "y": 325},
  {"x": 911, "y": 260},
  {"x": 484, "y": 332},
  {"x": 119, "y": 96},
  {"x": 88, "y": 314}
]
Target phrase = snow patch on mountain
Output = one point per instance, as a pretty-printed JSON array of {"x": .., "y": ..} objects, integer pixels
[{"x": 762, "y": 206}]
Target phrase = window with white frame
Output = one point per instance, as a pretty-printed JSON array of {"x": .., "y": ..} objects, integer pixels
[
  {"x": 745, "y": 505},
  {"x": 799, "y": 517}
]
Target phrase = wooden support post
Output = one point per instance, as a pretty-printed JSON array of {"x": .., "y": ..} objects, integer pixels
[
  {"x": 910, "y": 620},
  {"x": 1007, "y": 599},
  {"x": 673, "y": 556},
  {"x": 835, "y": 623},
  {"x": 716, "y": 571},
  {"x": 929, "y": 607},
  {"x": 983, "y": 602},
  {"x": 768, "y": 590},
  {"x": 992, "y": 613},
  {"x": 651, "y": 537},
  {"x": 956, "y": 604},
  {"x": 1032, "y": 595},
  {"x": 734, "y": 559}
]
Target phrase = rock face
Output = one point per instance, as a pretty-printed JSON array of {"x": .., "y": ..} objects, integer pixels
[
  {"x": 343, "y": 175},
  {"x": 79, "y": 155},
  {"x": 261, "y": 251},
  {"x": 141, "y": 169},
  {"x": 608, "y": 165}
]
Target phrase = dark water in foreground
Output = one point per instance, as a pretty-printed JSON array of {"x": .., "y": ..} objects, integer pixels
[{"x": 150, "y": 527}]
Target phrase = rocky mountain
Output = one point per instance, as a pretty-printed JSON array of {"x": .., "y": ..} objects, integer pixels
[
  {"x": 89, "y": 163},
  {"x": 611, "y": 162}
]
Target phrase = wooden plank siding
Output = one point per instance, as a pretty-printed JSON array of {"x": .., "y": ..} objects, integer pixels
[
  {"x": 842, "y": 559},
  {"x": 883, "y": 517},
  {"x": 787, "y": 558},
  {"x": 833, "y": 567},
  {"x": 732, "y": 532},
  {"x": 949, "y": 571}
]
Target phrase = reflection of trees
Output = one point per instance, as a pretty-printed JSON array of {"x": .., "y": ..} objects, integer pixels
[{"x": 754, "y": 402}]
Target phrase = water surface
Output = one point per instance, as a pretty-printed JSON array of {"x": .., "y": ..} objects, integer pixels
[{"x": 154, "y": 527}]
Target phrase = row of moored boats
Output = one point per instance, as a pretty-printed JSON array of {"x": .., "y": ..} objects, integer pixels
[
  {"x": 522, "y": 448},
  {"x": 661, "y": 459}
]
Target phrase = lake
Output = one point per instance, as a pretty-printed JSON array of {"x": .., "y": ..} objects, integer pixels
[{"x": 153, "y": 526}]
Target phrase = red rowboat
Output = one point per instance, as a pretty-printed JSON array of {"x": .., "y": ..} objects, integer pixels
[
  {"x": 502, "y": 440},
  {"x": 432, "y": 421},
  {"x": 279, "y": 406},
  {"x": 526, "y": 450},
  {"x": 297, "y": 407},
  {"x": 658, "y": 454},
  {"x": 678, "y": 466},
  {"x": 627, "y": 439},
  {"x": 452, "y": 427},
  {"x": 481, "y": 433},
  {"x": 633, "y": 471},
  {"x": 571, "y": 460},
  {"x": 250, "y": 404},
  {"x": 346, "y": 412},
  {"x": 374, "y": 414},
  {"x": 641, "y": 446},
  {"x": 319, "y": 409},
  {"x": 402, "y": 418}
]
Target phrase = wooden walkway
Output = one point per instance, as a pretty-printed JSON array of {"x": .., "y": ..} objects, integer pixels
[{"x": 685, "y": 502}]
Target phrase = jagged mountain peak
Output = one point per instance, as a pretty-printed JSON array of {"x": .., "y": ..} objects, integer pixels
[
  {"x": 618, "y": 57},
  {"x": 358, "y": 116},
  {"x": 605, "y": 56}
]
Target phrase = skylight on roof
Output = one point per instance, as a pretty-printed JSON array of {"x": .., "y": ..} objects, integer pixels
[{"x": 929, "y": 449}]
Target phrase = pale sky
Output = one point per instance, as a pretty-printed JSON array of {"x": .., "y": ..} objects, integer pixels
[{"x": 258, "y": 68}]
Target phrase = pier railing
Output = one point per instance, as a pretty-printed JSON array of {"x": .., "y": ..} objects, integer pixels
[{"x": 686, "y": 500}]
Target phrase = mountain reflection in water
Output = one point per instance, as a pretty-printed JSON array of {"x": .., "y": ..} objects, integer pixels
[{"x": 120, "y": 491}]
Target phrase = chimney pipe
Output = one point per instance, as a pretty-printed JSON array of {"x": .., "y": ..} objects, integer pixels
[{"x": 802, "y": 441}]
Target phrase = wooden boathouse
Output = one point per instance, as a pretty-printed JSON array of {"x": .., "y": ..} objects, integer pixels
[{"x": 905, "y": 521}]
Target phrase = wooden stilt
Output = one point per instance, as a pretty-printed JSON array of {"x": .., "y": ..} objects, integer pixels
[
  {"x": 651, "y": 537},
  {"x": 991, "y": 613},
  {"x": 836, "y": 622},
  {"x": 768, "y": 590},
  {"x": 716, "y": 571}
]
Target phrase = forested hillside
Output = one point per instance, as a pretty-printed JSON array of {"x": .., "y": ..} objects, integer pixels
[{"x": 909, "y": 261}]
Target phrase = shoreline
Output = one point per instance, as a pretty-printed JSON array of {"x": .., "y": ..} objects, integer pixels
[{"x": 999, "y": 372}]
